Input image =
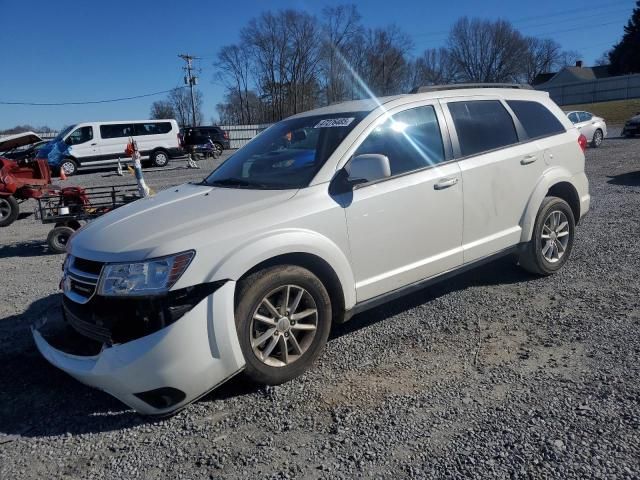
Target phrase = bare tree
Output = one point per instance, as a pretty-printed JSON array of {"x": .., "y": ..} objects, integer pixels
[
  {"x": 234, "y": 62},
  {"x": 340, "y": 30},
  {"x": 485, "y": 51},
  {"x": 433, "y": 67},
  {"x": 384, "y": 66},
  {"x": 180, "y": 101},
  {"x": 162, "y": 109}
]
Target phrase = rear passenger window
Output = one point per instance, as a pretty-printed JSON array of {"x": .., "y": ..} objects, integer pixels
[
  {"x": 536, "y": 119},
  {"x": 585, "y": 116},
  {"x": 116, "y": 131},
  {"x": 155, "y": 128},
  {"x": 410, "y": 139},
  {"x": 482, "y": 125}
]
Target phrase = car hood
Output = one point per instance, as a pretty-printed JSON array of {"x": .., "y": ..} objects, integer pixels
[
  {"x": 19, "y": 140},
  {"x": 635, "y": 119},
  {"x": 177, "y": 219}
]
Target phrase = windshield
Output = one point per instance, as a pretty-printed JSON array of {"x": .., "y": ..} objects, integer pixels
[
  {"x": 287, "y": 155},
  {"x": 62, "y": 134}
]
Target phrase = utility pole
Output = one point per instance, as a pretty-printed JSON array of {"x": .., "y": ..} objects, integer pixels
[{"x": 190, "y": 80}]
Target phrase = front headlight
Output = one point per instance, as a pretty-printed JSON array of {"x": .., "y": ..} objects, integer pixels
[{"x": 151, "y": 277}]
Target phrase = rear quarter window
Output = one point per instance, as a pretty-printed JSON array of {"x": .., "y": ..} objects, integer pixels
[
  {"x": 536, "y": 119},
  {"x": 482, "y": 125}
]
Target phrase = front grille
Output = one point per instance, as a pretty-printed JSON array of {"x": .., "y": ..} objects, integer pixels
[
  {"x": 113, "y": 320},
  {"x": 82, "y": 279},
  {"x": 91, "y": 330}
]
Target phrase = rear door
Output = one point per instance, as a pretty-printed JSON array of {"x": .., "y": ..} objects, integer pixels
[
  {"x": 499, "y": 171},
  {"x": 586, "y": 125},
  {"x": 152, "y": 135}
]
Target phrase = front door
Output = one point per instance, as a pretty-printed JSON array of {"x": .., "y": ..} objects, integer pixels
[
  {"x": 408, "y": 226},
  {"x": 83, "y": 144}
]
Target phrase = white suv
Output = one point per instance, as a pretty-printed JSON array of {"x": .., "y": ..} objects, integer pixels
[{"x": 323, "y": 215}]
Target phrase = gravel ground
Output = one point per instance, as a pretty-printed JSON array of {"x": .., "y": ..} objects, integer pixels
[{"x": 492, "y": 374}]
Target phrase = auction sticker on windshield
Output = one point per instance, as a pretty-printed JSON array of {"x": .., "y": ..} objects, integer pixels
[{"x": 334, "y": 122}]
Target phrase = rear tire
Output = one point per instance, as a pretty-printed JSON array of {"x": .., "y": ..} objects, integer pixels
[
  {"x": 551, "y": 240},
  {"x": 9, "y": 210},
  {"x": 597, "y": 139},
  {"x": 283, "y": 319},
  {"x": 58, "y": 238},
  {"x": 159, "y": 158}
]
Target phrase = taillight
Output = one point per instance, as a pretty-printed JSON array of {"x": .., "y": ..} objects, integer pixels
[
  {"x": 180, "y": 142},
  {"x": 225, "y": 135},
  {"x": 582, "y": 141}
]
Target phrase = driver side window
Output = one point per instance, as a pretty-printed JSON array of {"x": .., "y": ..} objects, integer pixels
[
  {"x": 80, "y": 135},
  {"x": 411, "y": 139}
]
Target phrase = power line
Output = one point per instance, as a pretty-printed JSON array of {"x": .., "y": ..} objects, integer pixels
[
  {"x": 538, "y": 17},
  {"x": 90, "y": 102}
]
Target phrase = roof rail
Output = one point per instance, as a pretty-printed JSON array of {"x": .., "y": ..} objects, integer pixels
[{"x": 456, "y": 86}]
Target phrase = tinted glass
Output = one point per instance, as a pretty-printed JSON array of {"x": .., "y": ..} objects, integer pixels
[
  {"x": 155, "y": 128},
  {"x": 536, "y": 119},
  {"x": 573, "y": 116},
  {"x": 482, "y": 125},
  {"x": 585, "y": 116},
  {"x": 410, "y": 139},
  {"x": 116, "y": 131},
  {"x": 80, "y": 135},
  {"x": 287, "y": 155}
]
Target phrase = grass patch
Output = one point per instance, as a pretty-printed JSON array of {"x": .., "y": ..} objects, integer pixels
[{"x": 615, "y": 112}]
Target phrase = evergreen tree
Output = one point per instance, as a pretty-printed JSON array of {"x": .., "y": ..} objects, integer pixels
[{"x": 625, "y": 56}]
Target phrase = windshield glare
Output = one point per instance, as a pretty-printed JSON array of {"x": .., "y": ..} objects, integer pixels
[{"x": 287, "y": 155}]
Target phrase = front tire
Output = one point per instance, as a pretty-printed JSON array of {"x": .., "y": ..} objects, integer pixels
[
  {"x": 552, "y": 238},
  {"x": 69, "y": 167},
  {"x": 9, "y": 210},
  {"x": 217, "y": 150},
  {"x": 159, "y": 158},
  {"x": 58, "y": 238},
  {"x": 283, "y": 319},
  {"x": 597, "y": 139}
]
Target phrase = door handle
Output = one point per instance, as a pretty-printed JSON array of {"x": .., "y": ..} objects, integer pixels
[
  {"x": 93, "y": 144},
  {"x": 528, "y": 159},
  {"x": 446, "y": 183}
]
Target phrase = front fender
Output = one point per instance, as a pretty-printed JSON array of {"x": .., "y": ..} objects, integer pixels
[
  {"x": 550, "y": 177},
  {"x": 258, "y": 249}
]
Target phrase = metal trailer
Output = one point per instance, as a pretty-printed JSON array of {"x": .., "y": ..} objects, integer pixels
[{"x": 70, "y": 207}]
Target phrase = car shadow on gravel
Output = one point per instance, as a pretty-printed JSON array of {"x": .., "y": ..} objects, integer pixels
[
  {"x": 499, "y": 272},
  {"x": 33, "y": 248},
  {"x": 37, "y": 399},
  {"x": 629, "y": 179}
]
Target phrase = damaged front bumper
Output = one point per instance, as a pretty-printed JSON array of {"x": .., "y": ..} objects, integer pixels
[{"x": 162, "y": 372}]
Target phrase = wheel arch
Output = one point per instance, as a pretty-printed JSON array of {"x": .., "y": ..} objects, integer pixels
[
  {"x": 316, "y": 265},
  {"x": 305, "y": 248},
  {"x": 555, "y": 183}
]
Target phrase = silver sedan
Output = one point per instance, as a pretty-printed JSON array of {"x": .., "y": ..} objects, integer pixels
[{"x": 592, "y": 127}]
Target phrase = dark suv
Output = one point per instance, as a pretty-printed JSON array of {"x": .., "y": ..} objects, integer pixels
[{"x": 194, "y": 136}]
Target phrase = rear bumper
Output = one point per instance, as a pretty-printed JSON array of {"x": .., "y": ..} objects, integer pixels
[{"x": 193, "y": 355}]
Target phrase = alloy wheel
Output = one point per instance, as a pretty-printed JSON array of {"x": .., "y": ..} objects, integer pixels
[
  {"x": 284, "y": 325},
  {"x": 597, "y": 138},
  {"x": 555, "y": 236}
]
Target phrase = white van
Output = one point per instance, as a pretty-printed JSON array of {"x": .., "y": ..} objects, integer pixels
[{"x": 98, "y": 143}]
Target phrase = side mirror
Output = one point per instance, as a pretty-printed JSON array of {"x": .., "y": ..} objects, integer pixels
[
  {"x": 298, "y": 136},
  {"x": 369, "y": 167}
]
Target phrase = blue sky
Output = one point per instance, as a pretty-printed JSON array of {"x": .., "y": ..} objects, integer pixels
[{"x": 60, "y": 51}]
